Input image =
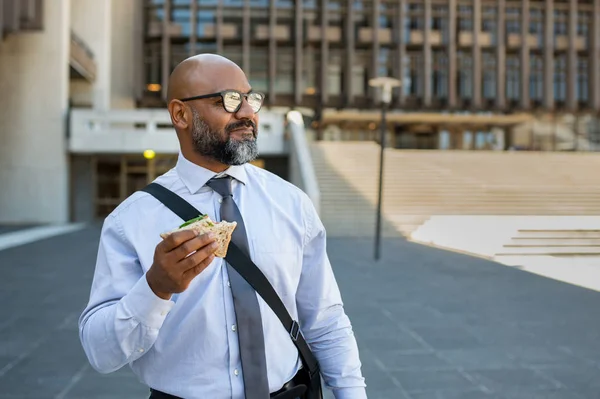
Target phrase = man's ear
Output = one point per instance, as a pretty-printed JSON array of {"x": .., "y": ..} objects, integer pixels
[{"x": 180, "y": 117}]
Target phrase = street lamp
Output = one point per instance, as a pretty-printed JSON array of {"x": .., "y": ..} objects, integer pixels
[{"x": 386, "y": 85}]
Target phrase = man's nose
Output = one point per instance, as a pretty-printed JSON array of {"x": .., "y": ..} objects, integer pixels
[{"x": 245, "y": 111}]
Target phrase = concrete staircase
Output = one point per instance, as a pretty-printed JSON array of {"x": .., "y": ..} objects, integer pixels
[
  {"x": 556, "y": 242},
  {"x": 418, "y": 184}
]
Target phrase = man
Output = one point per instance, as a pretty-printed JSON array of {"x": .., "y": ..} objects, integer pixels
[{"x": 170, "y": 309}]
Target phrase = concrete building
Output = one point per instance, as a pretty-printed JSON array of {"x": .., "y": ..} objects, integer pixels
[{"x": 84, "y": 83}]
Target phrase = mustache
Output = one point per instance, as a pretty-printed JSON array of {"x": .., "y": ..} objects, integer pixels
[{"x": 241, "y": 124}]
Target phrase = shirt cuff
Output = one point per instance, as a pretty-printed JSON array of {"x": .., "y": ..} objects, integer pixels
[
  {"x": 143, "y": 305},
  {"x": 350, "y": 393}
]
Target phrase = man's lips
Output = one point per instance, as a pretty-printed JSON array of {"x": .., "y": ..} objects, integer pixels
[{"x": 243, "y": 130}]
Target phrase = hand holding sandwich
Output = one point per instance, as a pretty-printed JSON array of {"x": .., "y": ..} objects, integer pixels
[{"x": 172, "y": 269}]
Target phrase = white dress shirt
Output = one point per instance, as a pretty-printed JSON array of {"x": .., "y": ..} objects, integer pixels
[{"x": 187, "y": 346}]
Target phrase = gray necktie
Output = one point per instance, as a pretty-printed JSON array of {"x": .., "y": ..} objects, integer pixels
[{"x": 247, "y": 310}]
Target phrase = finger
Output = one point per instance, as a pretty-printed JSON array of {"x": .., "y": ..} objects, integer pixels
[
  {"x": 196, "y": 270},
  {"x": 177, "y": 238},
  {"x": 188, "y": 247},
  {"x": 197, "y": 257}
]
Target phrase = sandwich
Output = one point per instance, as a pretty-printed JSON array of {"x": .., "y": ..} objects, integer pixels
[{"x": 203, "y": 224}]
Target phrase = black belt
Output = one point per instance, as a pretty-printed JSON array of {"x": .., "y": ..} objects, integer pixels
[{"x": 291, "y": 390}]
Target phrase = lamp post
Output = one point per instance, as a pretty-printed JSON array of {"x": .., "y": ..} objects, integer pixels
[{"x": 386, "y": 85}]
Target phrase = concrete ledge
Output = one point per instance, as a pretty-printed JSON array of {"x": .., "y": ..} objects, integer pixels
[{"x": 487, "y": 235}]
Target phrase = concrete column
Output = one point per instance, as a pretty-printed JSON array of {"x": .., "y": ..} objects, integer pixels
[
  {"x": 501, "y": 56},
  {"x": 246, "y": 37},
  {"x": 83, "y": 198},
  {"x": 401, "y": 50},
  {"x": 374, "y": 92},
  {"x": 126, "y": 60},
  {"x": 139, "y": 67},
  {"x": 193, "y": 27},
  {"x": 34, "y": 171},
  {"x": 549, "y": 55},
  {"x": 324, "y": 53},
  {"x": 166, "y": 48},
  {"x": 525, "y": 63},
  {"x": 427, "y": 87},
  {"x": 91, "y": 21},
  {"x": 349, "y": 34},
  {"x": 595, "y": 55},
  {"x": 572, "y": 57},
  {"x": 298, "y": 55},
  {"x": 219, "y": 26},
  {"x": 476, "y": 49},
  {"x": 452, "y": 71},
  {"x": 272, "y": 51}
]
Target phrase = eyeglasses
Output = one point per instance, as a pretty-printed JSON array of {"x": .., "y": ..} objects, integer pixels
[{"x": 232, "y": 99}]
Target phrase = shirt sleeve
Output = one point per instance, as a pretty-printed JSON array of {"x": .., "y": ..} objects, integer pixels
[
  {"x": 123, "y": 315},
  {"x": 324, "y": 323}
]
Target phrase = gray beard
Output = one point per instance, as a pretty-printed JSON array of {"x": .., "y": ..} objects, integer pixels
[{"x": 210, "y": 143}]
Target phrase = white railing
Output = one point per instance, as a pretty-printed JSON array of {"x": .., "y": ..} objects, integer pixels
[
  {"x": 302, "y": 172},
  {"x": 136, "y": 130}
]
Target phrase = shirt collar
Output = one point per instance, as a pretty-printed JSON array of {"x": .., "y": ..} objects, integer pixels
[{"x": 195, "y": 177}]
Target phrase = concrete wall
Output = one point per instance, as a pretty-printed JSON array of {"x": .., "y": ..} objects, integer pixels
[
  {"x": 34, "y": 78},
  {"x": 126, "y": 52},
  {"x": 82, "y": 199},
  {"x": 91, "y": 21}
]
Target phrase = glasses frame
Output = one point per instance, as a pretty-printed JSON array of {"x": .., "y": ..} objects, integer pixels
[{"x": 222, "y": 95}]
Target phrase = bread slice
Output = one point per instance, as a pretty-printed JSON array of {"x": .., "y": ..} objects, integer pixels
[{"x": 221, "y": 230}]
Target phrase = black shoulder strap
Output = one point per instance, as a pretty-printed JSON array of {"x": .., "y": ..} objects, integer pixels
[
  {"x": 247, "y": 269},
  {"x": 174, "y": 202}
]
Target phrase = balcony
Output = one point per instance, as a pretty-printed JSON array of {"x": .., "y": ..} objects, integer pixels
[
  {"x": 384, "y": 35},
  {"x": 416, "y": 37},
  {"x": 465, "y": 38},
  {"x": 280, "y": 32},
  {"x": 333, "y": 33},
  {"x": 136, "y": 130}
]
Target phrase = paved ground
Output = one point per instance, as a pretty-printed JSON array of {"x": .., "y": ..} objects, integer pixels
[{"x": 430, "y": 324}]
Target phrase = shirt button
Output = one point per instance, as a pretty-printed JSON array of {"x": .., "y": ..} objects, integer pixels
[
  {"x": 220, "y": 200},
  {"x": 233, "y": 328},
  {"x": 140, "y": 350},
  {"x": 236, "y": 372},
  {"x": 229, "y": 283},
  {"x": 163, "y": 313}
]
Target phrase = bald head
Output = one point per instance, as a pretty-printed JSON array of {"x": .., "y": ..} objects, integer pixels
[{"x": 202, "y": 74}]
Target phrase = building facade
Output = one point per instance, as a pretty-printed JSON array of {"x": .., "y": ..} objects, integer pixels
[
  {"x": 476, "y": 55},
  {"x": 85, "y": 82}
]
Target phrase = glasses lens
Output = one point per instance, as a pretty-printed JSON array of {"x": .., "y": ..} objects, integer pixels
[
  {"x": 255, "y": 100},
  {"x": 231, "y": 100}
]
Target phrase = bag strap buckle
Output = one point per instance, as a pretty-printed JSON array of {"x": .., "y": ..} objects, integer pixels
[{"x": 295, "y": 330}]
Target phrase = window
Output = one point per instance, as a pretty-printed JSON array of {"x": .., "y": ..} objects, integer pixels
[
  {"x": 416, "y": 15},
  {"x": 440, "y": 75},
  {"x": 439, "y": 20},
  {"x": 560, "y": 23},
  {"x": 536, "y": 23},
  {"x": 583, "y": 27},
  {"x": 416, "y": 77},
  {"x": 465, "y": 18},
  {"x": 560, "y": 78},
  {"x": 513, "y": 20},
  {"x": 465, "y": 75},
  {"x": 582, "y": 80},
  {"x": 259, "y": 62},
  {"x": 284, "y": 73},
  {"x": 536, "y": 78},
  {"x": 513, "y": 77},
  {"x": 489, "y": 76}
]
